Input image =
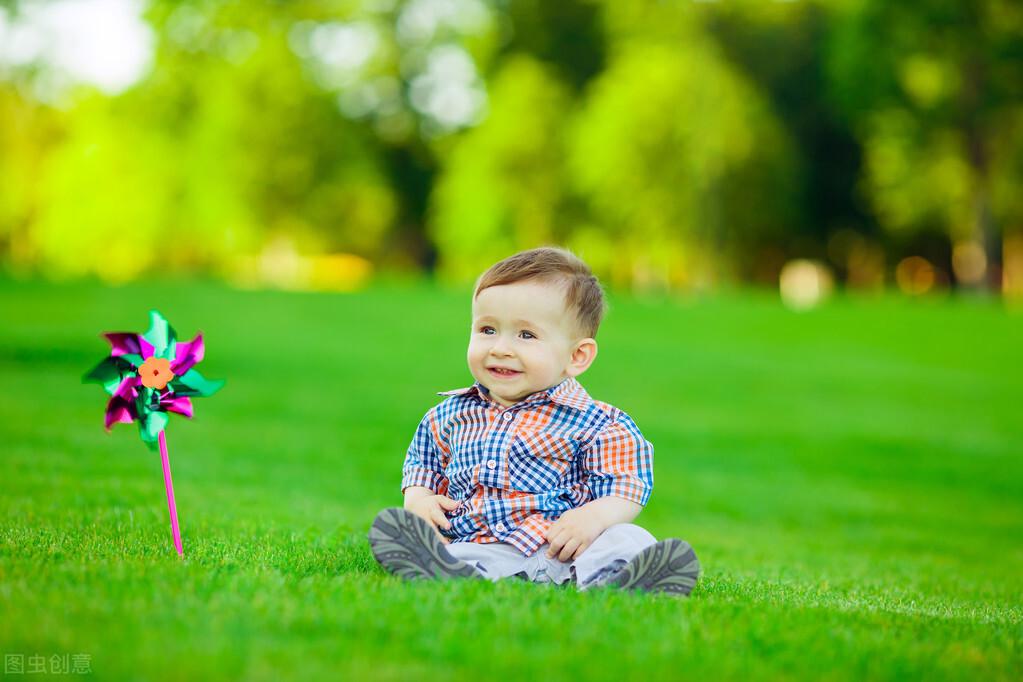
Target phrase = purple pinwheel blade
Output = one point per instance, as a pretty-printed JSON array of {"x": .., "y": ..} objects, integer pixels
[
  {"x": 123, "y": 343},
  {"x": 119, "y": 411},
  {"x": 146, "y": 348},
  {"x": 128, "y": 388},
  {"x": 177, "y": 403},
  {"x": 187, "y": 354}
]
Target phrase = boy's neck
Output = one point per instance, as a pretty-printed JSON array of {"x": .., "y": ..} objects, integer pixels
[{"x": 490, "y": 394}]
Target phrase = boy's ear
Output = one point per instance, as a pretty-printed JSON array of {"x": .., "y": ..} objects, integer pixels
[{"x": 582, "y": 357}]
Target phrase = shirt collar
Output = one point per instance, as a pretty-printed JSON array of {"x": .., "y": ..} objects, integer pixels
[{"x": 569, "y": 393}]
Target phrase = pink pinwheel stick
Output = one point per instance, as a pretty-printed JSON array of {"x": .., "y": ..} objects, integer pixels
[{"x": 169, "y": 484}]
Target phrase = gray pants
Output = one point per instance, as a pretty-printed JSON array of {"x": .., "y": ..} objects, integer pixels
[{"x": 609, "y": 552}]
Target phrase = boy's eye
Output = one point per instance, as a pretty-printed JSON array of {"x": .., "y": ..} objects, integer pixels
[
  {"x": 486, "y": 329},
  {"x": 528, "y": 335}
]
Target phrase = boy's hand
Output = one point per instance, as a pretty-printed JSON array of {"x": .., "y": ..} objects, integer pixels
[
  {"x": 571, "y": 534},
  {"x": 431, "y": 508}
]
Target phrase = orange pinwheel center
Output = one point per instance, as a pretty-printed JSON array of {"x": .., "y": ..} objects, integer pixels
[{"x": 156, "y": 373}]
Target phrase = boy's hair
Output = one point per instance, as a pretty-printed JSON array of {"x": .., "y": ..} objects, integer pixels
[{"x": 550, "y": 264}]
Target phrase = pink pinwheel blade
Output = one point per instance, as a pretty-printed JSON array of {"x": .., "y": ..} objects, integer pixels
[
  {"x": 186, "y": 355},
  {"x": 128, "y": 388},
  {"x": 177, "y": 403},
  {"x": 119, "y": 411},
  {"x": 123, "y": 343}
]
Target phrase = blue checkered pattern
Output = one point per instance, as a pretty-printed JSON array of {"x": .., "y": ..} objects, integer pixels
[{"x": 515, "y": 470}]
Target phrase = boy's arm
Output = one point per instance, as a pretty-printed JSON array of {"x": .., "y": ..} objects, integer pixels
[
  {"x": 426, "y": 459},
  {"x": 416, "y": 492},
  {"x": 620, "y": 476},
  {"x": 423, "y": 482},
  {"x": 620, "y": 462},
  {"x": 610, "y": 510}
]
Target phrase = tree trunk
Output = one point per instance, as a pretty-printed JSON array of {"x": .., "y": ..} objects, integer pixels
[{"x": 977, "y": 153}]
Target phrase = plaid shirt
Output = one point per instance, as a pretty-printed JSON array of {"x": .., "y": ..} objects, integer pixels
[{"x": 515, "y": 470}]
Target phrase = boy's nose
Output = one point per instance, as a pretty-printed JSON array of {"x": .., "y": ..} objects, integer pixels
[{"x": 500, "y": 348}]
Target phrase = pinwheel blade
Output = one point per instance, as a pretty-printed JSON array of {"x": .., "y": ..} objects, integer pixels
[
  {"x": 191, "y": 383},
  {"x": 161, "y": 335}
]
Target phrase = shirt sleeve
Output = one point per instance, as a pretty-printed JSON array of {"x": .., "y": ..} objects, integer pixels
[
  {"x": 620, "y": 462},
  {"x": 427, "y": 457}
]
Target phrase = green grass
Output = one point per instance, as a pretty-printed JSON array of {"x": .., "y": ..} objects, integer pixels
[{"x": 850, "y": 477}]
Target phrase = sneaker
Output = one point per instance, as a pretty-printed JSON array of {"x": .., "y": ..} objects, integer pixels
[
  {"x": 668, "y": 566},
  {"x": 408, "y": 546}
]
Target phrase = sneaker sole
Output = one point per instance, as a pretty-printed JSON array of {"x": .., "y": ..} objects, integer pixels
[
  {"x": 668, "y": 566},
  {"x": 407, "y": 546}
]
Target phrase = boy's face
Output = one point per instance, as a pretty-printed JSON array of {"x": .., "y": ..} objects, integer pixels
[{"x": 525, "y": 330}]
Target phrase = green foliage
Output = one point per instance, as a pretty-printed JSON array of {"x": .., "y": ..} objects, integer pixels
[
  {"x": 667, "y": 136},
  {"x": 937, "y": 88},
  {"x": 265, "y": 152},
  {"x": 504, "y": 184},
  {"x": 672, "y": 144},
  {"x": 27, "y": 138},
  {"x": 642, "y": 175}
]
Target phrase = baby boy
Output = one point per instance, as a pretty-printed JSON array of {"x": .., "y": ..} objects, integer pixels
[{"x": 524, "y": 474}]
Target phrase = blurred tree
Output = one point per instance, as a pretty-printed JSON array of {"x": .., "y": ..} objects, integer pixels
[
  {"x": 668, "y": 168},
  {"x": 672, "y": 144},
  {"x": 782, "y": 47},
  {"x": 502, "y": 188},
  {"x": 681, "y": 160},
  {"x": 503, "y": 183},
  {"x": 104, "y": 197},
  {"x": 935, "y": 89},
  {"x": 272, "y": 145},
  {"x": 411, "y": 73},
  {"x": 225, "y": 145},
  {"x": 568, "y": 36},
  {"x": 29, "y": 131}
]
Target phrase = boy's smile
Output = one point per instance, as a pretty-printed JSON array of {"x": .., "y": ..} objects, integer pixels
[
  {"x": 523, "y": 340},
  {"x": 503, "y": 373}
]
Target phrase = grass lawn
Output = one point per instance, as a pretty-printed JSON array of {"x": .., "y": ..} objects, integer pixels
[{"x": 851, "y": 478}]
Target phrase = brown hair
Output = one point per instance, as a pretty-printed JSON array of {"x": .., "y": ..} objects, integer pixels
[{"x": 551, "y": 264}]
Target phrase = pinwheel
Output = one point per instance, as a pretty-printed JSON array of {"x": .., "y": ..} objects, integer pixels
[{"x": 148, "y": 376}]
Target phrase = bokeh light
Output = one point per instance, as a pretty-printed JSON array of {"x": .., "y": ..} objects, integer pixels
[
  {"x": 915, "y": 275},
  {"x": 969, "y": 262},
  {"x": 805, "y": 283},
  {"x": 104, "y": 43},
  {"x": 1012, "y": 272}
]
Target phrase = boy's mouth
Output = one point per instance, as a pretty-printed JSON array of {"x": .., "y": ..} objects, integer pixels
[{"x": 503, "y": 373}]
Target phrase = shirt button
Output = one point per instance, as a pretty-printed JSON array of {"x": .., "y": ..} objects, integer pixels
[
  {"x": 507, "y": 416},
  {"x": 491, "y": 464},
  {"x": 499, "y": 527}
]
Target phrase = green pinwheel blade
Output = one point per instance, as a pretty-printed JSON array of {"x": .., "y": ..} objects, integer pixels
[
  {"x": 150, "y": 427},
  {"x": 193, "y": 384},
  {"x": 107, "y": 373},
  {"x": 148, "y": 400},
  {"x": 133, "y": 359},
  {"x": 161, "y": 335},
  {"x": 112, "y": 371}
]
